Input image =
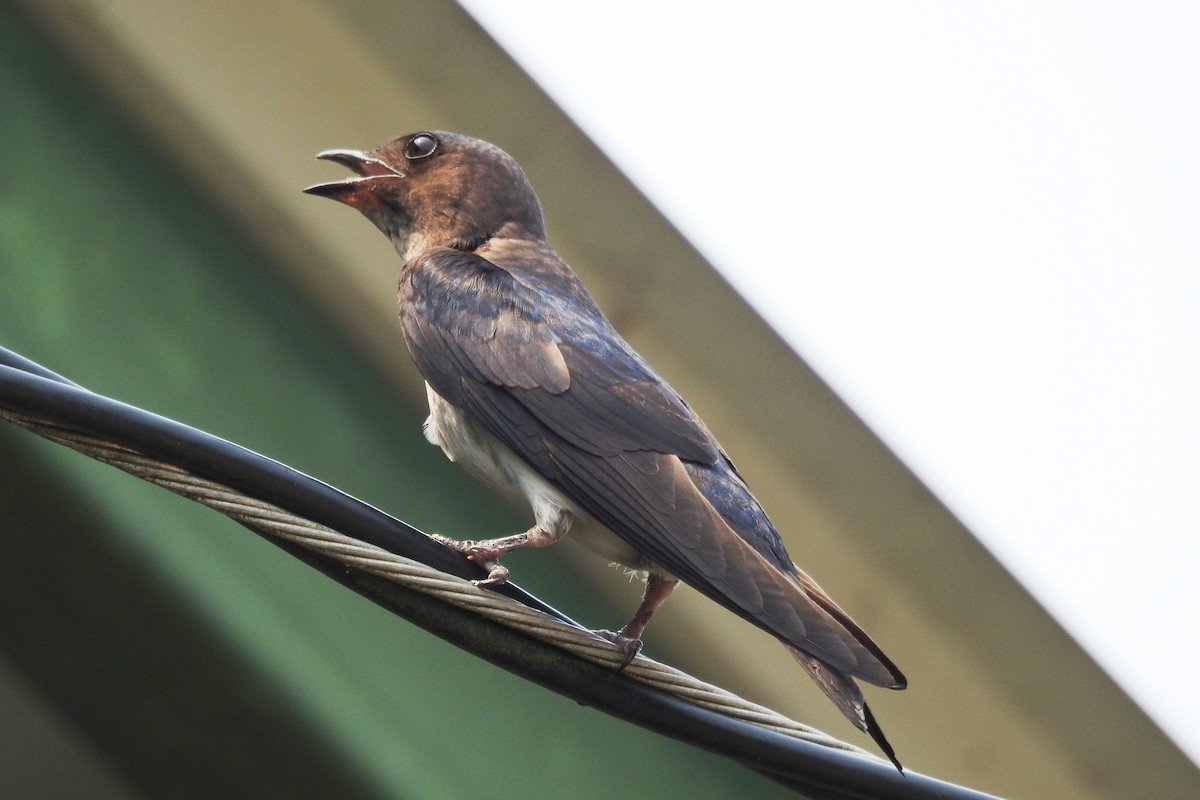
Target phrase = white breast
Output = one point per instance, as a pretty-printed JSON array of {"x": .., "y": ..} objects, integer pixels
[{"x": 488, "y": 460}]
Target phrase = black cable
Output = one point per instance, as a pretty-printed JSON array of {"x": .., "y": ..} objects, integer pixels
[
  {"x": 232, "y": 465},
  {"x": 817, "y": 771}
]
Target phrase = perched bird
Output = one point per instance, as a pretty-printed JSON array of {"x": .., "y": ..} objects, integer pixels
[{"x": 534, "y": 393}]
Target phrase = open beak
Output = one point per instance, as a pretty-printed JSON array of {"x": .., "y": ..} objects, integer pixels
[{"x": 352, "y": 191}]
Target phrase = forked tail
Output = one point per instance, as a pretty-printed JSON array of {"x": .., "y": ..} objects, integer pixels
[{"x": 846, "y": 695}]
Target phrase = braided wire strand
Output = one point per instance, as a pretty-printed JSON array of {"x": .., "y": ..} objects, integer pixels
[{"x": 420, "y": 577}]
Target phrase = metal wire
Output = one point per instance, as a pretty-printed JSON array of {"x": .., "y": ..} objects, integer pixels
[
  {"x": 158, "y": 450},
  {"x": 448, "y": 588}
]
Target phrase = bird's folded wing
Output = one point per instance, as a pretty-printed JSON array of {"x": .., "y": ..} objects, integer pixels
[{"x": 562, "y": 390}]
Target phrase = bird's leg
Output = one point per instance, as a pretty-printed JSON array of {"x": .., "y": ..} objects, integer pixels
[
  {"x": 658, "y": 589},
  {"x": 487, "y": 552}
]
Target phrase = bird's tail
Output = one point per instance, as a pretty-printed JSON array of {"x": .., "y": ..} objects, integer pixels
[{"x": 845, "y": 694}]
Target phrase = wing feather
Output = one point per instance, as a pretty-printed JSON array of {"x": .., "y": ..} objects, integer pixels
[{"x": 546, "y": 374}]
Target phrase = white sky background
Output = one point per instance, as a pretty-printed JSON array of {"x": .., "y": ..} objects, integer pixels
[{"x": 981, "y": 224}]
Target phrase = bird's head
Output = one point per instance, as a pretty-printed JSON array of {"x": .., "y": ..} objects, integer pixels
[{"x": 433, "y": 188}]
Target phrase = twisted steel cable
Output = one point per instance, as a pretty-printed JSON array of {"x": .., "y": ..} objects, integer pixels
[{"x": 315, "y": 522}]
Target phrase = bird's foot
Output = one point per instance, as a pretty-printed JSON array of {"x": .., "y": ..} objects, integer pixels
[
  {"x": 480, "y": 553},
  {"x": 628, "y": 644},
  {"x": 629, "y": 638}
]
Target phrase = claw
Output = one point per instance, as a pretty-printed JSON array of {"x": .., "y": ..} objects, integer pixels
[
  {"x": 445, "y": 540},
  {"x": 497, "y": 573},
  {"x": 631, "y": 646},
  {"x": 478, "y": 553}
]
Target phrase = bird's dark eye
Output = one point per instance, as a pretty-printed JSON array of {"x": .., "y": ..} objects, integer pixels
[{"x": 420, "y": 146}]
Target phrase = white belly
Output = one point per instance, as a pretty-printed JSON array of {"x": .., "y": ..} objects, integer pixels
[{"x": 488, "y": 460}]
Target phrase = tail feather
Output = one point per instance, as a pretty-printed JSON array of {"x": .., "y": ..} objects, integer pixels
[{"x": 846, "y": 695}]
